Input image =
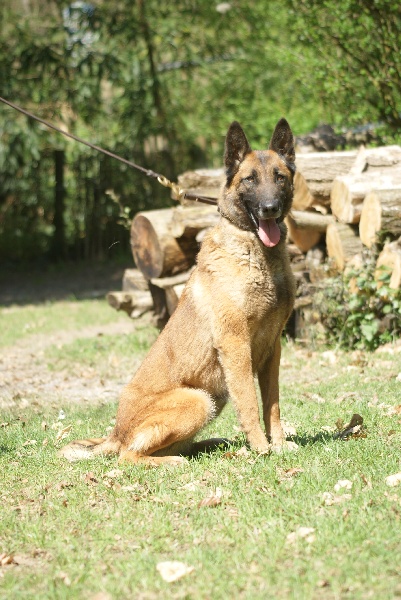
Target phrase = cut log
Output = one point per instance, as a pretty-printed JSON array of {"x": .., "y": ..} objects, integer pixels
[
  {"x": 343, "y": 244},
  {"x": 168, "y": 282},
  {"x": 319, "y": 169},
  {"x": 303, "y": 238},
  {"x": 134, "y": 303},
  {"x": 303, "y": 198},
  {"x": 349, "y": 191},
  {"x": 205, "y": 182},
  {"x": 381, "y": 213},
  {"x": 134, "y": 280},
  {"x": 311, "y": 220},
  {"x": 189, "y": 220},
  {"x": 390, "y": 259},
  {"x": 156, "y": 251}
]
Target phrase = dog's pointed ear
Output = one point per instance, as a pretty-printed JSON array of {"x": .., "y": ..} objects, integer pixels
[
  {"x": 282, "y": 141},
  {"x": 236, "y": 148}
]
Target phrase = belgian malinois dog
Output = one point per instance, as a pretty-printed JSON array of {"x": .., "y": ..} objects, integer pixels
[{"x": 227, "y": 326}]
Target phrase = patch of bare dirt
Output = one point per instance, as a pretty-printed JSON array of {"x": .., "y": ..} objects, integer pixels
[{"x": 26, "y": 380}]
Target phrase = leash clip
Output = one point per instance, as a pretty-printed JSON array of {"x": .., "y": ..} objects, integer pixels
[{"x": 178, "y": 192}]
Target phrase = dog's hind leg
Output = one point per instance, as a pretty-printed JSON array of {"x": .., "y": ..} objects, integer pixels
[
  {"x": 173, "y": 420},
  {"x": 89, "y": 448}
]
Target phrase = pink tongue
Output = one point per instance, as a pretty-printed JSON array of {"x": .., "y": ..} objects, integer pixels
[{"x": 269, "y": 232}]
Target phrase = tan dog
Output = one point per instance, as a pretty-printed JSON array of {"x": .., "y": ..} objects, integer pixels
[{"x": 227, "y": 326}]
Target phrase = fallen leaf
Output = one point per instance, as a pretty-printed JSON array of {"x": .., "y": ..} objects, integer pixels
[
  {"x": 214, "y": 499},
  {"x": 192, "y": 486},
  {"x": 315, "y": 397},
  {"x": 90, "y": 478},
  {"x": 244, "y": 452},
  {"x": 343, "y": 484},
  {"x": 114, "y": 473},
  {"x": 284, "y": 474},
  {"x": 173, "y": 570},
  {"x": 328, "y": 499},
  {"x": 6, "y": 559},
  {"x": 353, "y": 429},
  {"x": 394, "y": 410},
  {"x": 64, "y": 578},
  {"x": 393, "y": 480},
  {"x": 345, "y": 396},
  {"x": 63, "y": 433},
  {"x": 305, "y": 533}
]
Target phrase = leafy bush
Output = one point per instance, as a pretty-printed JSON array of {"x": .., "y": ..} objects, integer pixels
[{"x": 359, "y": 309}]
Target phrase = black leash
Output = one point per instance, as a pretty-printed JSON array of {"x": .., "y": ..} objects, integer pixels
[{"x": 178, "y": 192}]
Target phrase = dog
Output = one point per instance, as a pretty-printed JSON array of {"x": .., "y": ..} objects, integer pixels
[{"x": 227, "y": 326}]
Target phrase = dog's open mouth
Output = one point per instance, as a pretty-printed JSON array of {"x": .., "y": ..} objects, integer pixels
[{"x": 267, "y": 230}]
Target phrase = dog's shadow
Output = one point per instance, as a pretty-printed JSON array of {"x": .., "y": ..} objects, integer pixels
[{"x": 215, "y": 445}]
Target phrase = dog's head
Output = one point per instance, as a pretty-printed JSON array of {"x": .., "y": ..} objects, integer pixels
[{"x": 259, "y": 187}]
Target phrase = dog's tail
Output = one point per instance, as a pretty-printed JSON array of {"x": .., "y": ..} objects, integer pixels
[{"x": 83, "y": 449}]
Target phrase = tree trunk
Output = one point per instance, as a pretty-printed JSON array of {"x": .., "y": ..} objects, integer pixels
[
  {"x": 58, "y": 242},
  {"x": 343, "y": 244},
  {"x": 381, "y": 213},
  {"x": 157, "y": 253}
]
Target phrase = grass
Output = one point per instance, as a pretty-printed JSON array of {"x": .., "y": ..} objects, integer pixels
[
  {"x": 22, "y": 322},
  {"x": 79, "y": 529}
]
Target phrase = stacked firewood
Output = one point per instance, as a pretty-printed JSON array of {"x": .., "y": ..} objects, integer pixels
[{"x": 343, "y": 202}]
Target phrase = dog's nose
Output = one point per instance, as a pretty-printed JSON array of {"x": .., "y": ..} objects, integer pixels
[{"x": 269, "y": 210}]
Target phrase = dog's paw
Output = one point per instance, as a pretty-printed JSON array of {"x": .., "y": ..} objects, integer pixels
[{"x": 287, "y": 446}]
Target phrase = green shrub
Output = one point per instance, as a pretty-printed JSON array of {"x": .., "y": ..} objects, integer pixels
[{"x": 359, "y": 310}]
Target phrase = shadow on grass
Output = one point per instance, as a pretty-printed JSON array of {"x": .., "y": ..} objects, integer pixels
[{"x": 307, "y": 440}]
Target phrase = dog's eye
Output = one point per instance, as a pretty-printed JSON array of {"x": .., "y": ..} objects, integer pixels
[
  {"x": 280, "y": 178},
  {"x": 249, "y": 179}
]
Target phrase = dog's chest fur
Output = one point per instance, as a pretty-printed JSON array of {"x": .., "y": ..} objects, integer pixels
[{"x": 256, "y": 283}]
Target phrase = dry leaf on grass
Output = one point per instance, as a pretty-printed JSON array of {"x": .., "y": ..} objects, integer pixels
[
  {"x": 393, "y": 480},
  {"x": 6, "y": 559},
  {"x": 345, "y": 396},
  {"x": 90, "y": 478},
  {"x": 64, "y": 578},
  {"x": 354, "y": 429},
  {"x": 314, "y": 397},
  {"x": 63, "y": 433},
  {"x": 303, "y": 533},
  {"x": 244, "y": 452},
  {"x": 343, "y": 484},
  {"x": 329, "y": 499},
  {"x": 214, "y": 499},
  {"x": 114, "y": 473},
  {"x": 285, "y": 474},
  {"x": 172, "y": 570}
]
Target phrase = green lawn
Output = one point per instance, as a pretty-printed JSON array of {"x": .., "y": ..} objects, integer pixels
[{"x": 75, "y": 530}]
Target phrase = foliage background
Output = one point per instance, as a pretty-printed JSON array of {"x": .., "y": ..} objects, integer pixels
[{"x": 159, "y": 85}]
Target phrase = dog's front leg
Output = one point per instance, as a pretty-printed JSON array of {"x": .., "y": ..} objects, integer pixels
[
  {"x": 269, "y": 388},
  {"x": 235, "y": 357},
  {"x": 268, "y": 381}
]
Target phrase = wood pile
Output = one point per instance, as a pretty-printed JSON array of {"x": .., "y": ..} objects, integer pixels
[{"x": 344, "y": 202}]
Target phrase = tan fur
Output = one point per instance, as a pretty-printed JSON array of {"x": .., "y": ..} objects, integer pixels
[{"x": 225, "y": 330}]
